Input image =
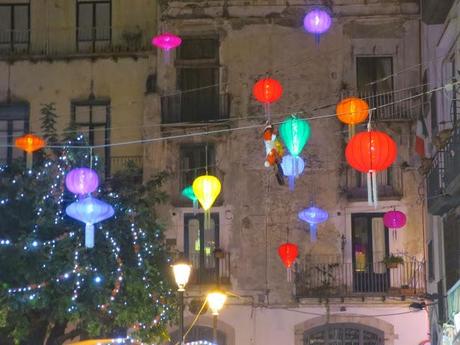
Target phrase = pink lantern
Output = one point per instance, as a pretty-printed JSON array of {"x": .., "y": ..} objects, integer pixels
[
  {"x": 394, "y": 220},
  {"x": 82, "y": 181},
  {"x": 166, "y": 41}
]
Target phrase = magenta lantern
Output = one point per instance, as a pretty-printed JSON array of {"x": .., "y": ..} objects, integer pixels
[
  {"x": 394, "y": 220},
  {"x": 317, "y": 22},
  {"x": 82, "y": 181},
  {"x": 166, "y": 41}
]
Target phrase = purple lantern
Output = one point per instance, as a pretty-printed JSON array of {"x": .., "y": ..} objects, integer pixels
[
  {"x": 82, "y": 181},
  {"x": 292, "y": 167},
  {"x": 313, "y": 216},
  {"x": 394, "y": 220},
  {"x": 317, "y": 22},
  {"x": 89, "y": 211},
  {"x": 166, "y": 41}
]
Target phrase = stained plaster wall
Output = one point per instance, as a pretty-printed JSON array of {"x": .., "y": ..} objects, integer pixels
[{"x": 255, "y": 210}]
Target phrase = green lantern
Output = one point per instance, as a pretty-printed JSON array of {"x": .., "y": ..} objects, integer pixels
[
  {"x": 189, "y": 194},
  {"x": 295, "y": 134}
]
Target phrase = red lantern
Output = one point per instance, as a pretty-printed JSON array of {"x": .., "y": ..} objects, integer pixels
[
  {"x": 288, "y": 253},
  {"x": 370, "y": 152},
  {"x": 267, "y": 91}
]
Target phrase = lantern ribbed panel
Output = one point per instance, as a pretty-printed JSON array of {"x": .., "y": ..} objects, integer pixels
[
  {"x": 352, "y": 111},
  {"x": 207, "y": 189},
  {"x": 288, "y": 253},
  {"x": 167, "y": 41},
  {"x": 30, "y": 143},
  {"x": 295, "y": 133},
  {"x": 371, "y": 151},
  {"x": 394, "y": 219},
  {"x": 82, "y": 181},
  {"x": 267, "y": 90}
]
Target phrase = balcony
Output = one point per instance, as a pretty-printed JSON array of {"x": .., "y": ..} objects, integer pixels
[
  {"x": 210, "y": 269},
  {"x": 390, "y": 184},
  {"x": 452, "y": 164},
  {"x": 328, "y": 277},
  {"x": 395, "y": 105},
  {"x": 203, "y": 105},
  {"x": 118, "y": 163},
  {"x": 57, "y": 43}
]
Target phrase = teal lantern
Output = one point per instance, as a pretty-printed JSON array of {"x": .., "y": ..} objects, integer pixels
[
  {"x": 190, "y": 194},
  {"x": 295, "y": 133}
]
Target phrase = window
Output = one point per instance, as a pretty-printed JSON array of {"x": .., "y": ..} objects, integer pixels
[
  {"x": 430, "y": 261},
  {"x": 93, "y": 25},
  {"x": 199, "y": 246},
  {"x": 93, "y": 119},
  {"x": 369, "y": 247},
  {"x": 14, "y": 122},
  {"x": 343, "y": 334},
  {"x": 372, "y": 69},
  {"x": 14, "y": 27},
  {"x": 198, "y": 79},
  {"x": 193, "y": 162}
]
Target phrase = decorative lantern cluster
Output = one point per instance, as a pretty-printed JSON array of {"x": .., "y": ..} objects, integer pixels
[{"x": 89, "y": 210}]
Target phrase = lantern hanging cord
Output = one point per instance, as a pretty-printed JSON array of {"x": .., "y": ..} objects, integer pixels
[{"x": 193, "y": 322}]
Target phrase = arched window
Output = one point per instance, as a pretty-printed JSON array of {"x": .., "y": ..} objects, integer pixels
[
  {"x": 343, "y": 334},
  {"x": 201, "y": 335}
]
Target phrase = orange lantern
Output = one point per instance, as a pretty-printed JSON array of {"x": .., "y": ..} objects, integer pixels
[
  {"x": 29, "y": 143},
  {"x": 352, "y": 111}
]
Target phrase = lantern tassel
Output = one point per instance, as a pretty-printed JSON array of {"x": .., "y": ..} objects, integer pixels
[
  {"x": 267, "y": 111},
  {"x": 195, "y": 206},
  {"x": 167, "y": 56},
  {"x": 351, "y": 130},
  {"x": 374, "y": 189},
  {"x": 89, "y": 236},
  {"x": 313, "y": 233},
  {"x": 29, "y": 160},
  {"x": 369, "y": 188},
  {"x": 207, "y": 220},
  {"x": 289, "y": 274},
  {"x": 317, "y": 39},
  {"x": 291, "y": 182}
]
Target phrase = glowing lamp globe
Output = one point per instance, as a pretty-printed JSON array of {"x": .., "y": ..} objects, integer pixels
[
  {"x": 352, "y": 111},
  {"x": 292, "y": 167},
  {"x": 394, "y": 220},
  {"x": 166, "y": 41},
  {"x": 295, "y": 133},
  {"x": 82, "y": 181},
  {"x": 90, "y": 211},
  {"x": 370, "y": 152},
  {"x": 288, "y": 253},
  {"x": 317, "y": 22},
  {"x": 313, "y": 216},
  {"x": 216, "y": 300},
  {"x": 29, "y": 143},
  {"x": 181, "y": 271}
]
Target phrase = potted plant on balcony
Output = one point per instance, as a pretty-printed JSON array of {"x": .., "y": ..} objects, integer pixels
[
  {"x": 406, "y": 290},
  {"x": 393, "y": 261}
]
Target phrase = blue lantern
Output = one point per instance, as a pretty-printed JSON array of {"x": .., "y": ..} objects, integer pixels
[
  {"x": 292, "y": 166},
  {"x": 313, "y": 216},
  {"x": 89, "y": 211}
]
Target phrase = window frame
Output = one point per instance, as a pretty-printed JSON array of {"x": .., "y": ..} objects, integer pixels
[
  {"x": 383, "y": 56},
  {"x": 101, "y": 102},
  {"x": 361, "y": 328},
  {"x": 26, "y": 118},
  {"x": 190, "y": 147},
  {"x": 94, "y": 22},
  {"x": 12, "y": 41}
]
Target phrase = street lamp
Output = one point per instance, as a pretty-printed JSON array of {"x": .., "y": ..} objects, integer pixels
[
  {"x": 216, "y": 300},
  {"x": 181, "y": 270}
]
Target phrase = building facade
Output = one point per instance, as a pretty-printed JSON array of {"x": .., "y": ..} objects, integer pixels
[
  {"x": 342, "y": 293},
  {"x": 441, "y": 67}
]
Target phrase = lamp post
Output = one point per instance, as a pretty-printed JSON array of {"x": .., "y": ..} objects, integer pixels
[
  {"x": 216, "y": 300},
  {"x": 181, "y": 270}
]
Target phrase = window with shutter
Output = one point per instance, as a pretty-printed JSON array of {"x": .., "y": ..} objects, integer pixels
[{"x": 14, "y": 122}]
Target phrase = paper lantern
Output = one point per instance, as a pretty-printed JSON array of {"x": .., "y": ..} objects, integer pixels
[
  {"x": 29, "y": 143},
  {"x": 189, "y": 194},
  {"x": 352, "y": 111},
  {"x": 288, "y": 253},
  {"x": 206, "y": 188},
  {"x": 317, "y": 22},
  {"x": 166, "y": 42},
  {"x": 370, "y": 152},
  {"x": 267, "y": 91},
  {"x": 295, "y": 133},
  {"x": 90, "y": 211},
  {"x": 292, "y": 167},
  {"x": 394, "y": 220},
  {"x": 82, "y": 181},
  {"x": 313, "y": 216}
]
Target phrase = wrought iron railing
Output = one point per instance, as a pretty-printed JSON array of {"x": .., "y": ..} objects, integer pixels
[
  {"x": 71, "y": 41},
  {"x": 389, "y": 181},
  {"x": 436, "y": 179},
  {"x": 331, "y": 278},
  {"x": 118, "y": 163},
  {"x": 213, "y": 268},
  {"x": 452, "y": 157},
  {"x": 201, "y": 105}
]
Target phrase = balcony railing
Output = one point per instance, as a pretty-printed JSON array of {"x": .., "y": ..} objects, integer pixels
[
  {"x": 73, "y": 41},
  {"x": 452, "y": 163},
  {"x": 390, "y": 184},
  {"x": 395, "y": 105},
  {"x": 210, "y": 269},
  {"x": 203, "y": 105},
  {"x": 336, "y": 279},
  {"x": 118, "y": 163}
]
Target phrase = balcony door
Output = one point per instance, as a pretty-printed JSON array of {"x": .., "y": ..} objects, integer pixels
[
  {"x": 199, "y": 246},
  {"x": 370, "y": 247}
]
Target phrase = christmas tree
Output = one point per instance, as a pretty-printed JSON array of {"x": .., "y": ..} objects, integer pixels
[{"x": 53, "y": 288}]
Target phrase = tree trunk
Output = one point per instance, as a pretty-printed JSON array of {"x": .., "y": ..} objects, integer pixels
[{"x": 57, "y": 331}]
